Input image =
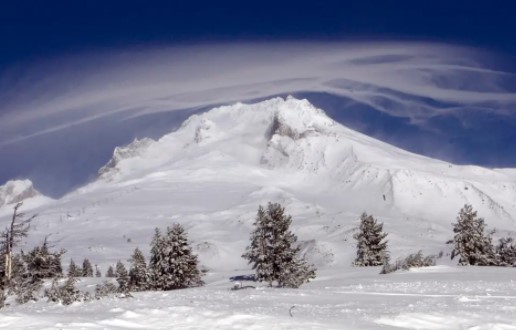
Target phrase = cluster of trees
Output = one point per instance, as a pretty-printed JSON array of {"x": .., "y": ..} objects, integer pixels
[
  {"x": 22, "y": 274},
  {"x": 172, "y": 266},
  {"x": 474, "y": 245},
  {"x": 471, "y": 243},
  {"x": 273, "y": 253}
]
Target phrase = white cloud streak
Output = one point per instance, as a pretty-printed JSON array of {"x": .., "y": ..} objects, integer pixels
[{"x": 392, "y": 77}]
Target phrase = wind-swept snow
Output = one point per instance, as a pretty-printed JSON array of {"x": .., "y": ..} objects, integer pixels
[{"x": 437, "y": 298}]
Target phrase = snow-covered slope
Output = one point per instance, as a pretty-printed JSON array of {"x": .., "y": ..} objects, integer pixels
[
  {"x": 213, "y": 172},
  {"x": 16, "y": 191},
  {"x": 292, "y": 136},
  {"x": 211, "y": 175}
]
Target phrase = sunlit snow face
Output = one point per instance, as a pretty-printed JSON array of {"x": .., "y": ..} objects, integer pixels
[{"x": 86, "y": 95}]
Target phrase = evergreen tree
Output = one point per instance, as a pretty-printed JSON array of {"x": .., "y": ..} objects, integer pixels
[
  {"x": 471, "y": 243},
  {"x": 173, "y": 264},
  {"x": 273, "y": 252},
  {"x": 87, "y": 269},
  {"x": 110, "y": 272},
  {"x": 73, "y": 270},
  {"x": 23, "y": 284},
  {"x": 122, "y": 277},
  {"x": 9, "y": 238},
  {"x": 97, "y": 272},
  {"x": 506, "y": 252},
  {"x": 371, "y": 246},
  {"x": 138, "y": 274},
  {"x": 43, "y": 263}
]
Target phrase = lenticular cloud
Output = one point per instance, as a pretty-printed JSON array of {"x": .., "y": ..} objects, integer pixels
[{"x": 413, "y": 80}]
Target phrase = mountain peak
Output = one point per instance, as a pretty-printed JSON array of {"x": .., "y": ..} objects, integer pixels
[
  {"x": 15, "y": 191},
  {"x": 299, "y": 118},
  {"x": 292, "y": 137},
  {"x": 239, "y": 130}
]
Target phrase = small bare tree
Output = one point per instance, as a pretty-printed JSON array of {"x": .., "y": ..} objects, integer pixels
[{"x": 17, "y": 230}]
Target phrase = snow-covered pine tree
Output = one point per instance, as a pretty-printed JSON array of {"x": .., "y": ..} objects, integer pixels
[
  {"x": 23, "y": 284},
  {"x": 43, "y": 263},
  {"x": 87, "y": 268},
  {"x": 471, "y": 243},
  {"x": 173, "y": 264},
  {"x": 371, "y": 246},
  {"x": 138, "y": 273},
  {"x": 122, "y": 277},
  {"x": 110, "y": 272},
  {"x": 506, "y": 252},
  {"x": 73, "y": 270},
  {"x": 273, "y": 252}
]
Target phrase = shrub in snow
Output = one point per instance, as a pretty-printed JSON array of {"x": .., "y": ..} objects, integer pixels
[
  {"x": 65, "y": 294},
  {"x": 173, "y": 264},
  {"x": 371, "y": 246},
  {"x": 26, "y": 288},
  {"x": 87, "y": 268},
  {"x": 105, "y": 289},
  {"x": 138, "y": 273},
  {"x": 414, "y": 260},
  {"x": 273, "y": 252},
  {"x": 471, "y": 243},
  {"x": 506, "y": 252}
]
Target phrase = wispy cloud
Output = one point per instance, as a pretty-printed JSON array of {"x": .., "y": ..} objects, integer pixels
[{"x": 391, "y": 77}]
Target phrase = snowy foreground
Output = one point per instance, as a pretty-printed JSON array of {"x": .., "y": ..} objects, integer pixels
[{"x": 439, "y": 297}]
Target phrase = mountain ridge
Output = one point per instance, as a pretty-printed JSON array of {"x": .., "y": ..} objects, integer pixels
[{"x": 294, "y": 135}]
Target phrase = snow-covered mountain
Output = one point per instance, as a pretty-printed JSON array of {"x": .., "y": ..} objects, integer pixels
[
  {"x": 211, "y": 175},
  {"x": 213, "y": 172},
  {"x": 291, "y": 135}
]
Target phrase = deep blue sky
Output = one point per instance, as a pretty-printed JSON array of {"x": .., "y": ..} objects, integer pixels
[{"x": 35, "y": 31}]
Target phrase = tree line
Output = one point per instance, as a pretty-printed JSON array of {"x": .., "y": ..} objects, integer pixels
[
  {"x": 472, "y": 244},
  {"x": 273, "y": 254}
]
